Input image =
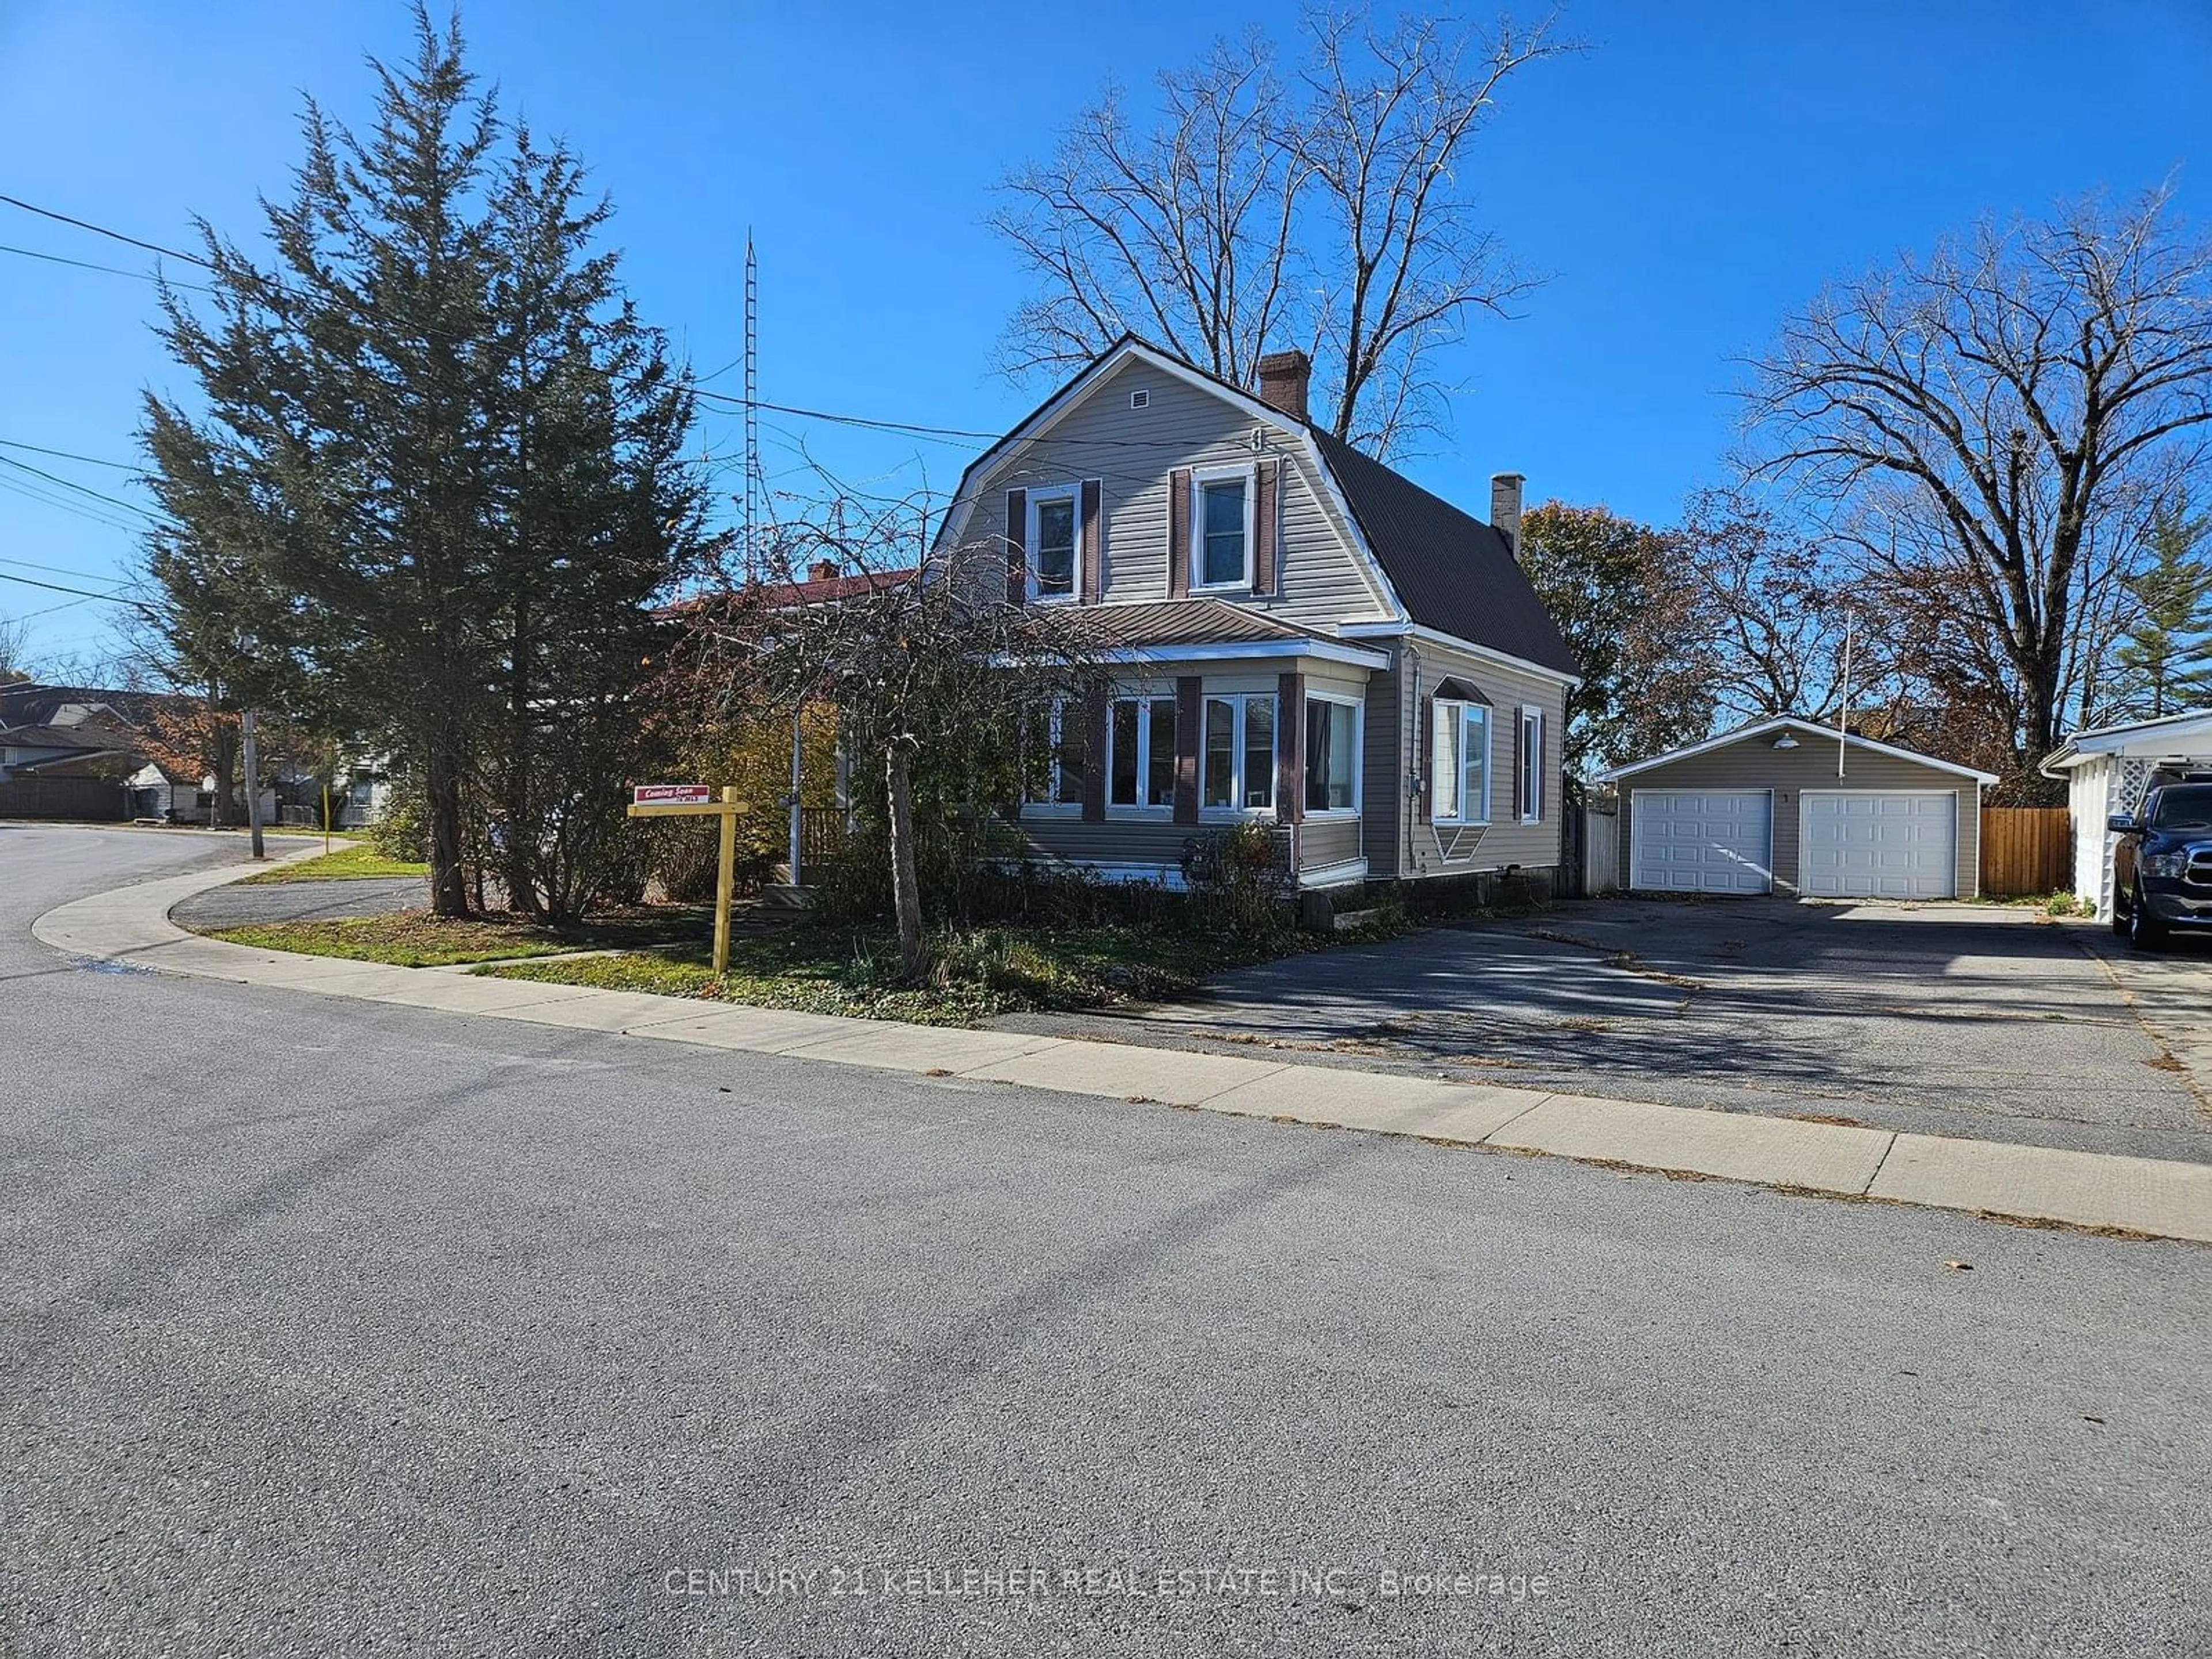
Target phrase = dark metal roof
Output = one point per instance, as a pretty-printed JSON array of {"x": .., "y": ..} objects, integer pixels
[
  {"x": 1452, "y": 572},
  {"x": 1185, "y": 622}
]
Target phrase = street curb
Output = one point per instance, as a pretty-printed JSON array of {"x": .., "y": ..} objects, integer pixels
[{"x": 2132, "y": 1197}]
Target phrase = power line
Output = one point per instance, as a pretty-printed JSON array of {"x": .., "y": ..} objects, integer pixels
[
  {"x": 102, "y": 230},
  {"x": 67, "y": 455},
  {"x": 51, "y": 569},
  {"x": 112, "y": 270},
  {"x": 46, "y": 497},
  {"x": 80, "y": 592},
  {"x": 82, "y": 490}
]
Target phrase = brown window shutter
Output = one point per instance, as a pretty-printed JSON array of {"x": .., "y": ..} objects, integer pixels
[
  {"x": 1179, "y": 533},
  {"x": 1263, "y": 527},
  {"x": 1189, "y": 711},
  {"x": 1426, "y": 747},
  {"x": 1018, "y": 558},
  {"x": 1091, "y": 582},
  {"x": 1291, "y": 748},
  {"x": 1094, "y": 757}
]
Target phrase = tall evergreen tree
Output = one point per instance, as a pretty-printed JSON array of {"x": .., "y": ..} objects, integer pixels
[
  {"x": 2166, "y": 661},
  {"x": 445, "y": 454}
]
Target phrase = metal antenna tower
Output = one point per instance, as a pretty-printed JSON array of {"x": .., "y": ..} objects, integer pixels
[{"x": 754, "y": 489}]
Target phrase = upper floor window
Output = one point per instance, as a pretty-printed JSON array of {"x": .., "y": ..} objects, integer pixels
[
  {"x": 1459, "y": 771},
  {"x": 1052, "y": 531},
  {"x": 1221, "y": 538},
  {"x": 1239, "y": 769}
]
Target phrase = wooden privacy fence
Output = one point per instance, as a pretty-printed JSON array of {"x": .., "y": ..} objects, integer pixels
[
  {"x": 2027, "y": 850},
  {"x": 64, "y": 798}
]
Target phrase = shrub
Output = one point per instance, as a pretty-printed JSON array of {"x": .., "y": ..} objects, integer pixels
[
  {"x": 402, "y": 830},
  {"x": 1240, "y": 880}
]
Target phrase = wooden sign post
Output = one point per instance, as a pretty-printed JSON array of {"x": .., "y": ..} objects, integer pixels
[{"x": 697, "y": 800}]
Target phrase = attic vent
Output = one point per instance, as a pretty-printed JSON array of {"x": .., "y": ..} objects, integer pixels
[{"x": 1141, "y": 399}]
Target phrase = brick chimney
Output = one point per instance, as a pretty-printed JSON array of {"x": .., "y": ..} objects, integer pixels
[
  {"x": 1505, "y": 508},
  {"x": 1285, "y": 379},
  {"x": 823, "y": 569}
]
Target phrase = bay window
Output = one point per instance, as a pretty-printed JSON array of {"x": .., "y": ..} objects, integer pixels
[
  {"x": 1065, "y": 739},
  {"x": 1239, "y": 753},
  {"x": 1140, "y": 734},
  {"x": 1459, "y": 773},
  {"x": 1332, "y": 781}
]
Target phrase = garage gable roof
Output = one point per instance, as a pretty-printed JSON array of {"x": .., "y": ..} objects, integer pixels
[{"x": 1764, "y": 728}]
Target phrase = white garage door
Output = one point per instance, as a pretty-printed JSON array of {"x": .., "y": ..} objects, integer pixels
[
  {"x": 1713, "y": 840},
  {"x": 1879, "y": 845}
]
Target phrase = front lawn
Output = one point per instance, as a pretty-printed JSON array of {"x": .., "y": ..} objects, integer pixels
[
  {"x": 415, "y": 939},
  {"x": 357, "y": 862},
  {"x": 978, "y": 974}
]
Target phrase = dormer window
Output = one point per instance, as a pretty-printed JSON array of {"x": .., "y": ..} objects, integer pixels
[
  {"x": 1221, "y": 535},
  {"x": 1051, "y": 539}
]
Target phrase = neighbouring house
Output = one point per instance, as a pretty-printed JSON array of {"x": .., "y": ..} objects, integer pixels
[
  {"x": 1785, "y": 805},
  {"x": 1300, "y": 635},
  {"x": 2106, "y": 770}
]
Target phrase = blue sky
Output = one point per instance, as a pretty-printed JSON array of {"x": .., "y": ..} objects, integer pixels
[{"x": 1696, "y": 174}]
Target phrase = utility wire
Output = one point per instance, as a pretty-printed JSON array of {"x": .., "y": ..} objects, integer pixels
[
  {"x": 51, "y": 569},
  {"x": 112, "y": 235},
  {"x": 81, "y": 593},
  {"x": 82, "y": 490},
  {"x": 113, "y": 271},
  {"x": 67, "y": 455},
  {"x": 46, "y": 497}
]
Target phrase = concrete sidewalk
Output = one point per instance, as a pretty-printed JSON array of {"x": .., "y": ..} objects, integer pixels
[{"x": 2148, "y": 1196}]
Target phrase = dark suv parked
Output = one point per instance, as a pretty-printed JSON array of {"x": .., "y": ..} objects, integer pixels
[{"x": 2162, "y": 866}]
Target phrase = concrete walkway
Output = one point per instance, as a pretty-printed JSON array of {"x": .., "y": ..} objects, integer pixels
[{"x": 2153, "y": 1197}]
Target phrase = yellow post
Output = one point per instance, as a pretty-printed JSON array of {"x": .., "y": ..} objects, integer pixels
[{"x": 726, "y": 879}]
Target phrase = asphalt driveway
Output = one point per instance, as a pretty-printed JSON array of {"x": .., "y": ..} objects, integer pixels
[{"x": 1985, "y": 1022}]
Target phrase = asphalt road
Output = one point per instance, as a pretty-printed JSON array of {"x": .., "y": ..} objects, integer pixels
[
  {"x": 1984, "y": 1023},
  {"x": 337, "y": 1328}
]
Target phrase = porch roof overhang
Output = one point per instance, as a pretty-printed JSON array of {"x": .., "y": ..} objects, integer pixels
[
  {"x": 1208, "y": 630},
  {"x": 2147, "y": 740}
]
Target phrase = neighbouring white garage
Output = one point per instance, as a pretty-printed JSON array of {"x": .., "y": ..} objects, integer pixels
[
  {"x": 1713, "y": 840},
  {"x": 1855, "y": 843}
]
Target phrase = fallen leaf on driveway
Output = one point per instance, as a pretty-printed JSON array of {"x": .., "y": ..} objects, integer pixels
[{"x": 1960, "y": 1267}]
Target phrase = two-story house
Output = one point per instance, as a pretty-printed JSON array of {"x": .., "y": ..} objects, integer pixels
[{"x": 1300, "y": 634}]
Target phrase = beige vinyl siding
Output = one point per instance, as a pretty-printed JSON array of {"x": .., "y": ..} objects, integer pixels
[
  {"x": 1507, "y": 840},
  {"x": 1755, "y": 763},
  {"x": 1151, "y": 840},
  {"x": 1326, "y": 841},
  {"x": 1131, "y": 452}
]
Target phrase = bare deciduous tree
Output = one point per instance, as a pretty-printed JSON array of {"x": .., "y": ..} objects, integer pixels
[
  {"x": 1333, "y": 212},
  {"x": 934, "y": 676},
  {"x": 1996, "y": 420},
  {"x": 1776, "y": 606}
]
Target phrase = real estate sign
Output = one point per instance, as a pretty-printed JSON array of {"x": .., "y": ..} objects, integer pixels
[
  {"x": 671, "y": 794},
  {"x": 697, "y": 800}
]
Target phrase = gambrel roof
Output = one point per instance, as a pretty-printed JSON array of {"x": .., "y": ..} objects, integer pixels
[{"x": 1437, "y": 567}]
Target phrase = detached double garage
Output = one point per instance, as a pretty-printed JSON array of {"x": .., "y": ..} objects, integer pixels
[{"x": 1763, "y": 809}]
